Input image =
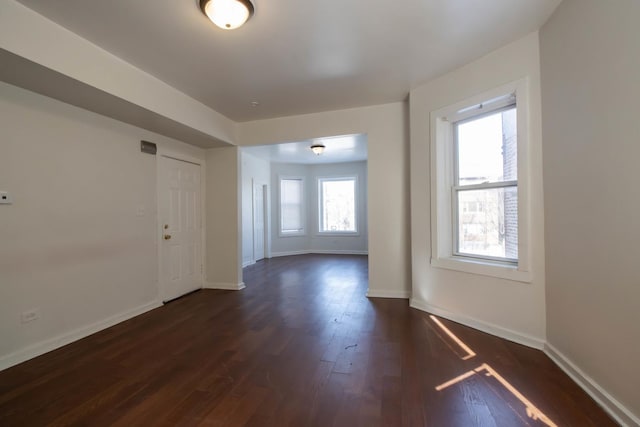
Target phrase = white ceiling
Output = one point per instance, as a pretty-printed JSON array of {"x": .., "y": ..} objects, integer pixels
[
  {"x": 338, "y": 149},
  {"x": 297, "y": 56}
]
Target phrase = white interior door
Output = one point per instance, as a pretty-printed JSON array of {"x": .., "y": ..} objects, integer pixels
[
  {"x": 181, "y": 227},
  {"x": 258, "y": 222}
]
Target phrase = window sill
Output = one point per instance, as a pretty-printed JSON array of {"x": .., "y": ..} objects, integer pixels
[
  {"x": 281, "y": 234},
  {"x": 483, "y": 268},
  {"x": 337, "y": 233}
]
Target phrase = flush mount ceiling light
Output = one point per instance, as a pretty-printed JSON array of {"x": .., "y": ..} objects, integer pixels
[
  {"x": 317, "y": 149},
  {"x": 227, "y": 14}
]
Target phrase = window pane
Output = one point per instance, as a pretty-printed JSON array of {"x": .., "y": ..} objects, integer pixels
[
  {"x": 488, "y": 222},
  {"x": 487, "y": 148},
  {"x": 291, "y": 205},
  {"x": 338, "y": 205}
]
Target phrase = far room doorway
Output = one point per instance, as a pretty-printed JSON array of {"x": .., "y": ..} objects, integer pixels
[{"x": 295, "y": 201}]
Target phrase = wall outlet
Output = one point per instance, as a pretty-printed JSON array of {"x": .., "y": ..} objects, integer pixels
[
  {"x": 5, "y": 198},
  {"x": 30, "y": 315}
]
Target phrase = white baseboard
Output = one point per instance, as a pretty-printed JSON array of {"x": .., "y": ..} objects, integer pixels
[
  {"x": 373, "y": 293},
  {"x": 321, "y": 252},
  {"x": 616, "y": 409},
  {"x": 289, "y": 253},
  {"x": 248, "y": 263},
  {"x": 46, "y": 346},
  {"x": 499, "y": 331},
  {"x": 224, "y": 286}
]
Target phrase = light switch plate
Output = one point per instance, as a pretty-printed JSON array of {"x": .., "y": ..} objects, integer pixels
[{"x": 5, "y": 198}]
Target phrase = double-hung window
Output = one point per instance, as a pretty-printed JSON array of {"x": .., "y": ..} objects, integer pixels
[
  {"x": 485, "y": 185},
  {"x": 479, "y": 184},
  {"x": 292, "y": 207},
  {"x": 337, "y": 205}
]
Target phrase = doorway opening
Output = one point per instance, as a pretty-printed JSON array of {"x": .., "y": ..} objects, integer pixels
[{"x": 290, "y": 205}]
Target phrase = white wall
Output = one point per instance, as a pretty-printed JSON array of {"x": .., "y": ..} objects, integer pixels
[
  {"x": 590, "y": 62},
  {"x": 514, "y": 310},
  {"x": 22, "y": 32},
  {"x": 72, "y": 244},
  {"x": 354, "y": 244},
  {"x": 312, "y": 241},
  {"x": 223, "y": 213},
  {"x": 386, "y": 127},
  {"x": 255, "y": 171}
]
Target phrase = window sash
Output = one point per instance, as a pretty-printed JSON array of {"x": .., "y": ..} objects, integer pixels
[
  {"x": 466, "y": 115},
  {"x": 469, "y": 118},
  {"x": 482, "y": 109},
  {"x": 455, "y": 202},
  {"x": 486, "y": 185},
  {"x": 291, "y": 206},
  {"x": 321, "y": 206}
]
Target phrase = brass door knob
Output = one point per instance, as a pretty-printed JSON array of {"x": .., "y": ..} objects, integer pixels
[{"x": 167, "y": 236}]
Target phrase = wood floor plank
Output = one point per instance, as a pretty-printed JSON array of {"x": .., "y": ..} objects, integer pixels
[{"x": 300, "y": 346}]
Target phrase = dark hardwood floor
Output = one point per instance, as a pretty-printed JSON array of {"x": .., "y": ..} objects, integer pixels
[{"x": 301, "y": 345}]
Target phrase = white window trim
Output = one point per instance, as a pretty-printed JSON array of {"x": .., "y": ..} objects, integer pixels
[
  {"x": 303, "y": 209},
  {"x": 356, "y": 196},
  {"x": 442, "y": 163}
]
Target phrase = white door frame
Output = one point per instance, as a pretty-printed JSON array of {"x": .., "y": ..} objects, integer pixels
[
  {"x": 159, "y": 226},
  {"x": 266, "y": 196},
  {"x": 256, "y": 185}
]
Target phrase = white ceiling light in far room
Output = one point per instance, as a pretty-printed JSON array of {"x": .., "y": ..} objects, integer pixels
[
  {"x": 317, "y": 149},
  {"x": 227, "y": 14}
]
